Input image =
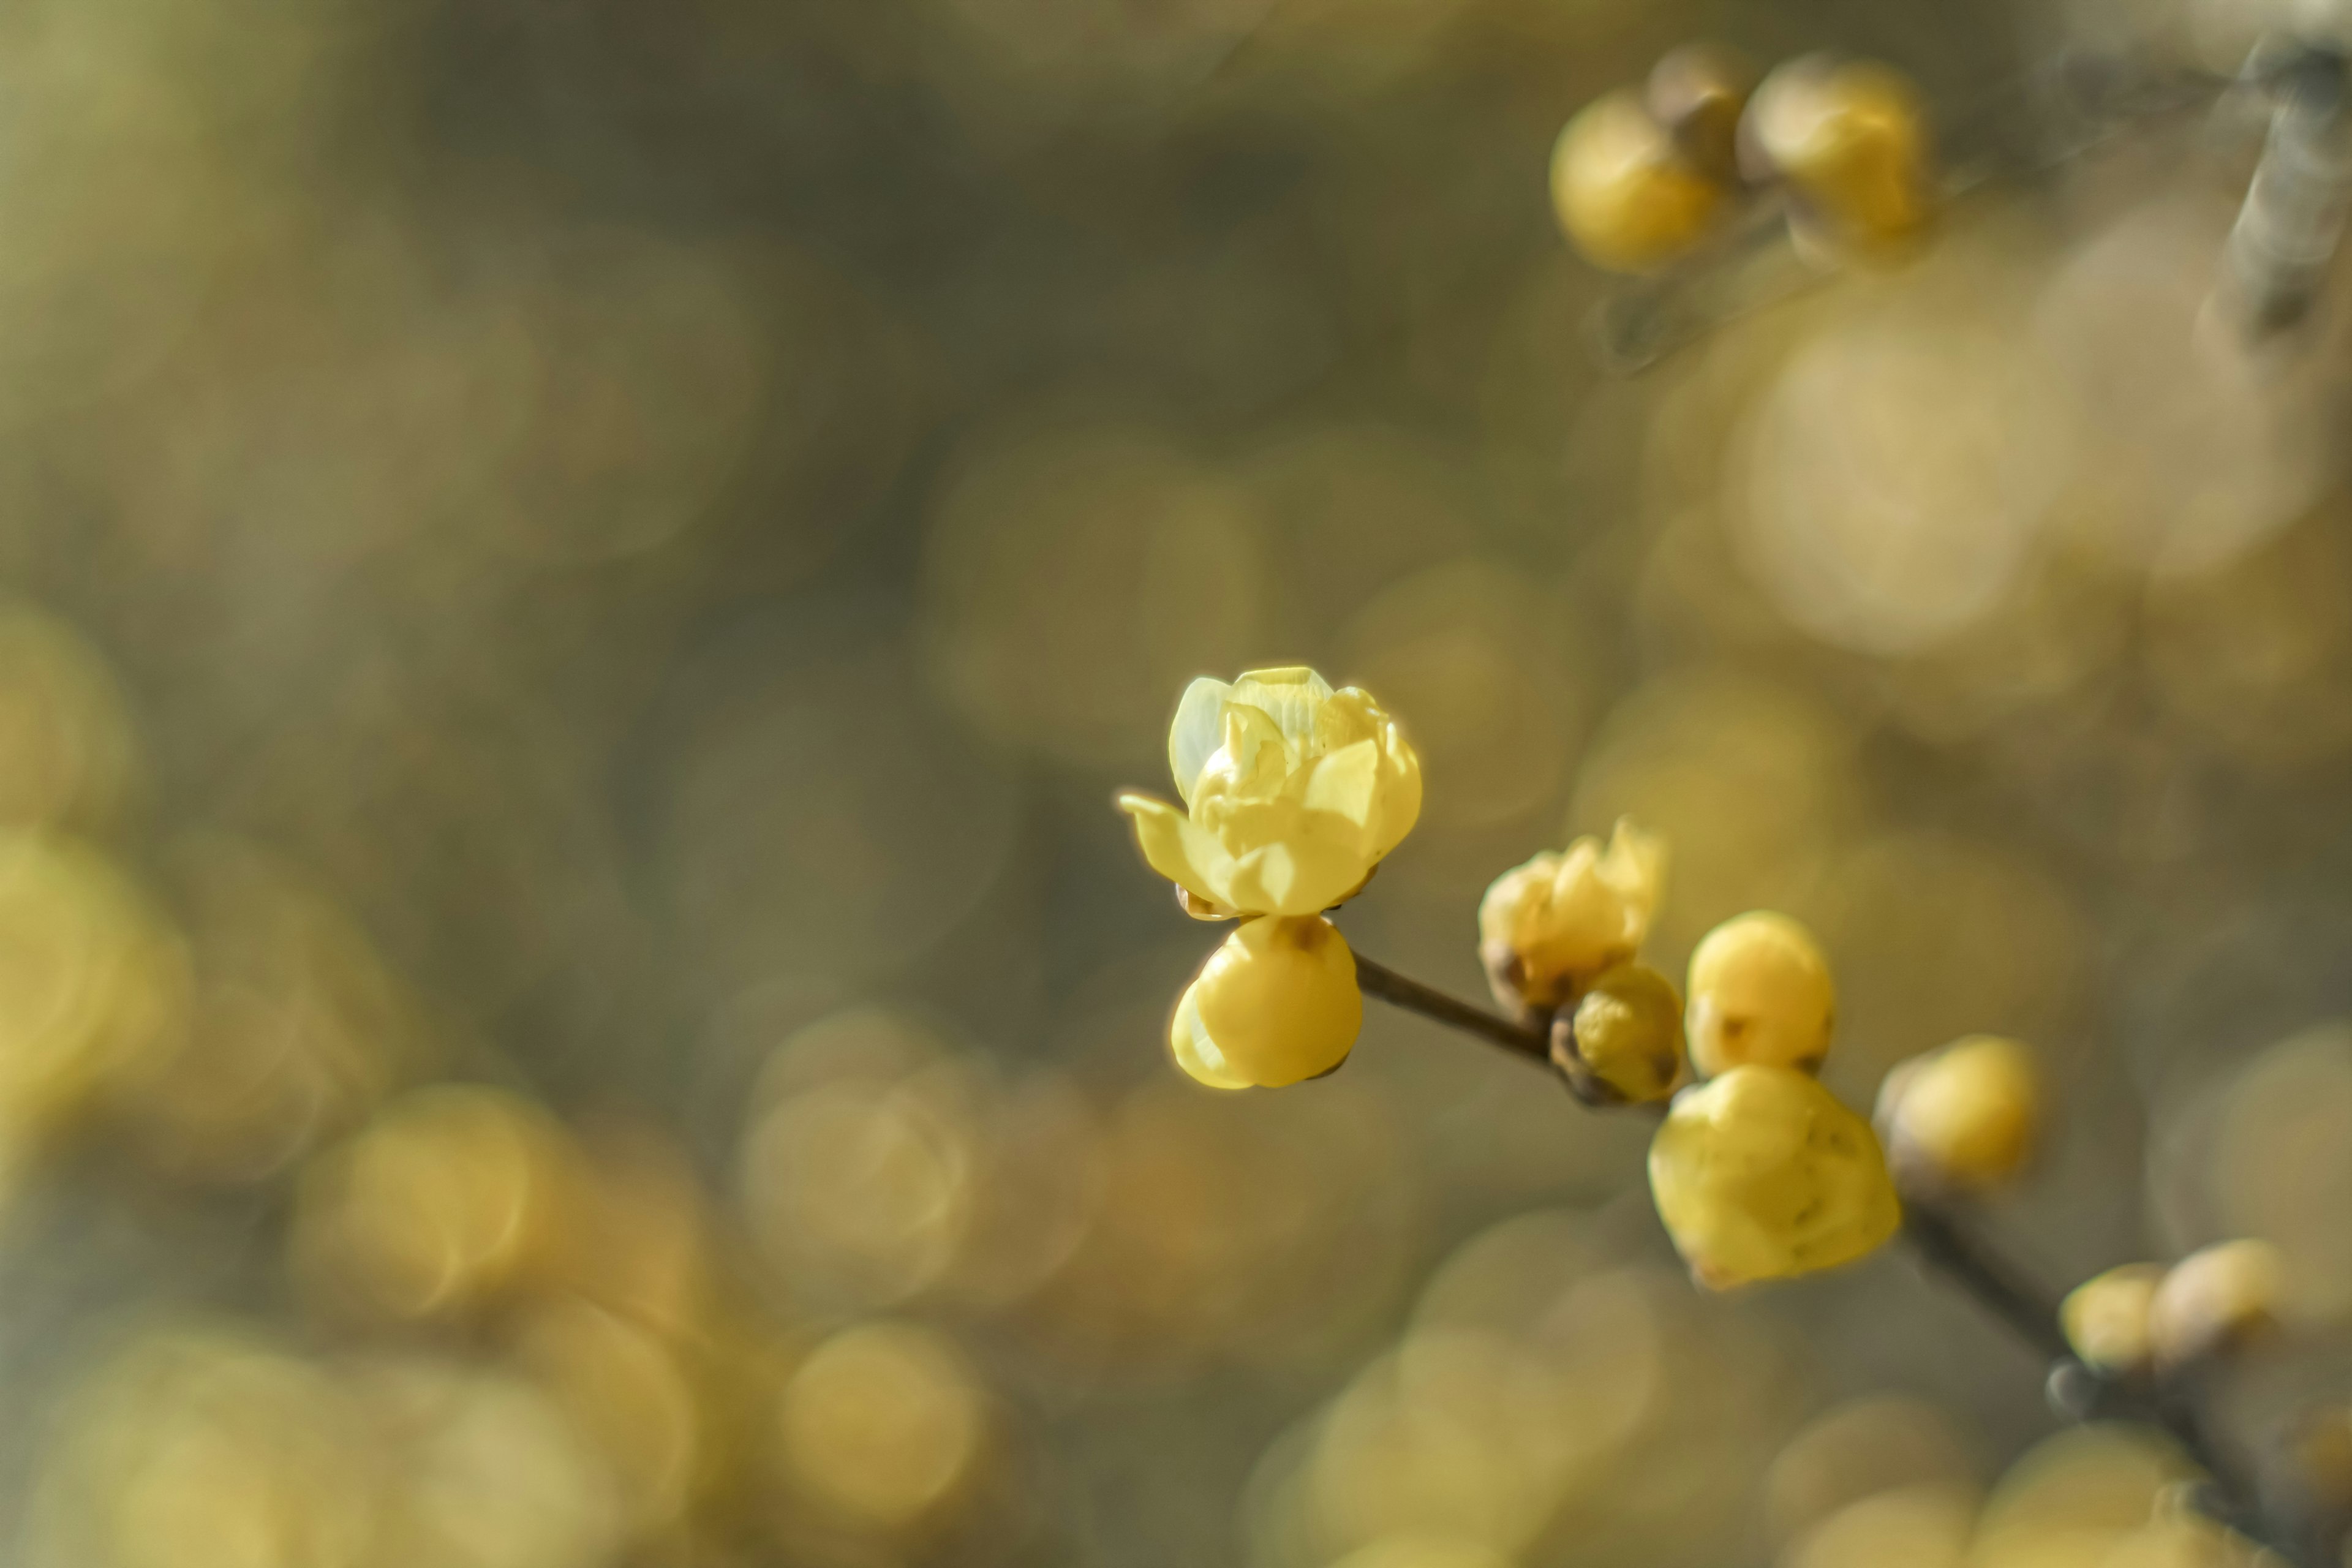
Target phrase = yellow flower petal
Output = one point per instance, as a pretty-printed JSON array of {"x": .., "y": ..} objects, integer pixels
[
  {"x": 1195, "y": 734},
  {"x": 1291, "y": 697},
  {"x": 1400, "y": 794},
  {"x": 1185, "y": 853},
  {"x": 1303, "y": 874},
  {"x": 1346, "y": 782}
]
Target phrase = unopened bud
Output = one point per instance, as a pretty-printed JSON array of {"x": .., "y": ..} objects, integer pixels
[
  {"x": 1276, "y": 1004},
  {"x": 1961, "y": 1119},
  {"x": 1760, "y": 994},
  {"x": 1762, "y": 1175},
  {"x": 2105, "y": 1320},
  {"x": 1625, "y": 192},
  {"x": 2214, "y": 1301},
  {"x": 1849, "y": 141},
  {"x": 1623, "y": 1043}
]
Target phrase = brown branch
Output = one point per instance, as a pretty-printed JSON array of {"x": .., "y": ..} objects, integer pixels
[{"x": 1519, "y": 1039}]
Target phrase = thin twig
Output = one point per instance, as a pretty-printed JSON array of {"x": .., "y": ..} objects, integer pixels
[
  {"x": 1379, "y": 980},
  {"x": 1948, "y": 1249}
]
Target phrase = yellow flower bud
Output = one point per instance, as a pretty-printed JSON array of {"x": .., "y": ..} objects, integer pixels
[
  {"x": 1276, "y": 1003},
  {"x": 2106, "y": 1320},
  {"x": 1696, "y": 93},
  {"x": 1626, "y": 195},
  {"x": 1624, "y": 1041},
  {"x": 1547, "y": 928},
  {"x": 1760, "y": 994},
  {"x": 1964, "y": 1118},
  {"x": 1292, "y": 792},
  {"x": 1851, "y": 141},
  {"x": 2215, "y": 1300},
  {"x": 1762, "y": 1175}
]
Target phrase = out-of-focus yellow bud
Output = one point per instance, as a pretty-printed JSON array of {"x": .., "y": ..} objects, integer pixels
[
  {"x": 1762, "y": 1175},
  {"x": 1623, "y": 1044},
  {"x": 1760, "y": 995},
  {"x": 1627, "y": 195},
  {"x": 1275, "y": 1004},
  {"x": 2215, "y": 1300},
  {"x": 1547, "y": 928},
  {"x": 2106, "y": 1320},
  {"x": 1964, "y": 1118},
  {"x": 1292, "y": 793},
  {"x": 1696, "y": 93},
  {"x": 1850, "y": 140}
]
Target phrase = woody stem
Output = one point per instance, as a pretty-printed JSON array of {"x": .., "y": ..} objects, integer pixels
[{"x": 1519, "y": 1039}]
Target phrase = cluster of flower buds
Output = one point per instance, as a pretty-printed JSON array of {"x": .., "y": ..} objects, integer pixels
[
  {"x": 1559, "y": 937},
  {"x": 1759, "y": 1172},
  {"x": 2144, "y": 1319},
  {"x": 1644, "y": 177},
  {"x": 1292, "y": 794}
]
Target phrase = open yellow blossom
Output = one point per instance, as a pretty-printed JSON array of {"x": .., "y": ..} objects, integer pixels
[
  {"x": 1762, "y": 1173},
  {"x": 1292, "y": 793},
  {"x": 1276, "y": 1003},
  {"x": 1547, "y": 928}
]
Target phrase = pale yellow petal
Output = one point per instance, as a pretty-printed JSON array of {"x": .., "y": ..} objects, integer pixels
[
  {"x": 1251, "y": 760},
  {"x": 1177, "y": 849},
  {"x": 1399, "y": 793},
  {"x": 1346, "y": 784},
  {"x": 1349, "y": 716},
  {"x": 1196, "y": 732},
  {"x": 1303, "y": 873},
  {"x": 1291, "y": 697}
]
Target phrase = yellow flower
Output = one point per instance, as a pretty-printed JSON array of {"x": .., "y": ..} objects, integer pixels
[
  {"x": 1547, "y": 928},
  {"x": 1276, "y": 1003},
  {"x": 1762, "y": 1175},
  {"x": 1294, "y": 792}
]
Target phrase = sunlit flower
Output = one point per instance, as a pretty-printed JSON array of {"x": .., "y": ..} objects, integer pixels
[
  {"x": 1547, "y": 928},
  {"x": 1762, "y": 1173},
  {"x": 1276, "y": 1003},
  {"x": 1294, "y": 792}
]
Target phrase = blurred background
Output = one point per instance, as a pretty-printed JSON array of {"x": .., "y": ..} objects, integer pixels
[{"x": 579, "y": 577}]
